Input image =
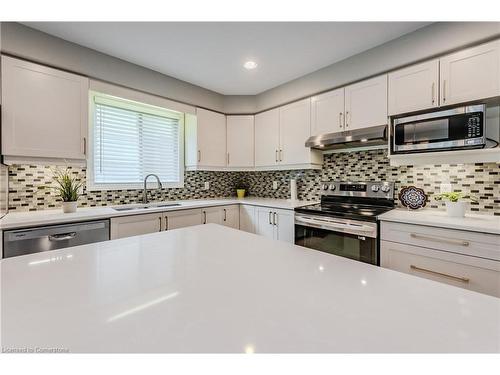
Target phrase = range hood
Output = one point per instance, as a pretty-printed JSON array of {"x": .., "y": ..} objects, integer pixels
[{"x": 373, "y": 136}]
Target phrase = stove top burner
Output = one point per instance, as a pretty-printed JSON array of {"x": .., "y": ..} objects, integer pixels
[
  {"x": 353, "y": 200},
  {"x": 346, "y": 210}
]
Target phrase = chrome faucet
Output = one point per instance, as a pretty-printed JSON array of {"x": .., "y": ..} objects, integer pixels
[{"x": 145, "y": 195}]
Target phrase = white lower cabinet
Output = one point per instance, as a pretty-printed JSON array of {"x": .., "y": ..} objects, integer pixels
[
  {"x": 442, "y": 255},
  {"x": 182, "y": 218},
  {"x": 223, "y": 215},
  {"x": 247, "y": 218},
  {"x": 135, "y": 225},
  {"x": 231, "y": 216},
  {"x": 275, "y": 224}
]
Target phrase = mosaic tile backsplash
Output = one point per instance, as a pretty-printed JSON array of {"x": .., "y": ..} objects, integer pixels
[{"x": 28, "y": 183}]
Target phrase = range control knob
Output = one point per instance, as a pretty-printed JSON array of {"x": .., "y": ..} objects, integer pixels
[
  {"x": 375, "y": 188},
  {"x": 386, "y": 188},
  {"x": 332, "y": 187},
  {"x": 325, "y": 187}
]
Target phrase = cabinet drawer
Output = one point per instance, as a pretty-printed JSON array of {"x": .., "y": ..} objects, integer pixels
[
  {"x": 480, "y": 275},
  {"x": 462, "y": 242}
]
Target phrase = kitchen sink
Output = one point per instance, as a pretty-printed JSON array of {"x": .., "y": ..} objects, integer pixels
[{"x": 145, "y": 207}]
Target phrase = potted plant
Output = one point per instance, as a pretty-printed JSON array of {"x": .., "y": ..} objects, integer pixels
[
  {"x": 455, "y": 202},
  {"x": 241, "y": 189},
  {"x": 68, "y": 187}
]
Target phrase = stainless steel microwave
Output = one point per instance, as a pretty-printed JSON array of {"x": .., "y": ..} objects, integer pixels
[{"x": 457, "y": 128}]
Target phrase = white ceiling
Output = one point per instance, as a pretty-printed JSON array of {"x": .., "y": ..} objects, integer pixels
[{"x": 211, "y": 55}]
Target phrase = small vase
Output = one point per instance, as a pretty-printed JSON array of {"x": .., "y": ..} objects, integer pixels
[
  {"x": 69, "y": 207},
  {"x": 240, "y": 193},
  {"x": 455, "y": 209}
]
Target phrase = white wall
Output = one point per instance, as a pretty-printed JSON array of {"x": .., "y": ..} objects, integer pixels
[
  {"x": 22, "y": 41},
  {"x": 435, "y": 39}
]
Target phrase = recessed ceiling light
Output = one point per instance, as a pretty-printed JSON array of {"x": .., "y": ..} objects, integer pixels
[{"x": 250, "y": 65}]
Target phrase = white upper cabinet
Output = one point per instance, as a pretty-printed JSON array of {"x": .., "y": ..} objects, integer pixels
[
  {"x": 471, "y": 74},
  {"x": 414, "y": 88},
  {"x": 295, "y": 129},
  {"x": 240, "y": 141},
  {"x": 44, "y": 111},
  {"x": 267, "y": 138},
  {"x": 206, "y": 139},
  {"x": 366, "y": 103},
  {"x": 327, "y": 112}
]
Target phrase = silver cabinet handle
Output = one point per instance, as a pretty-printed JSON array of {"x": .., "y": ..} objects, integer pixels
[
  {"x": 281, "y": 155},
  {"x": 444, "y": 91},
  {"x": 204, "y": 217},
  {"x": 84, "y": 145},
  {"x": 433, "y": 92},
  {"x": 62, "y": 237},
  {"x": 436, "y": 239},
  {"x": 346, "y": 121},
  {"x": 225, "y": 214},
  {"x": 270, "y": 220},
  {"x": 276, "y": 155},
  {"x": 160, "y": 224},
  {"x": 166, "y": 222},
  {"x": 451, "y": 277},
  {"x": 228, "y": 158},
  {"x": 340, "y": 120},
  {"x": 275, "y": 222},
  {"x": 199, "y": 156}
]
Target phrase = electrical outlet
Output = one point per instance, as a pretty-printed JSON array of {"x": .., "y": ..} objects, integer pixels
[
  {"x": 207, "y": 185},
  {"x": 275, "y": 185},
  {"x": 445, "y": 188}
]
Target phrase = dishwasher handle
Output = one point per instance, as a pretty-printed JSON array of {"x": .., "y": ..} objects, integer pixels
[{"x": 62, "y": 237}]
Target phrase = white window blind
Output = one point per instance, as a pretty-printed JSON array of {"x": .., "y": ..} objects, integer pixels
[{"x": 132, "y": 140}]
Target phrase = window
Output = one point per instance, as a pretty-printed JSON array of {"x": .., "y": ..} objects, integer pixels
[{"x": 130, "y": 140}]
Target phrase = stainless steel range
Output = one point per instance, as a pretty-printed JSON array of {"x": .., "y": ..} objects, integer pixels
[{"x": 345, "y": 222}]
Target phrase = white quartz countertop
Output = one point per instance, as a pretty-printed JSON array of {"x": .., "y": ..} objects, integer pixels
[
  {"x": 436, "y": 218},
  {"x": 215, "y": 289},
  {"x": 56, "y": 216}
]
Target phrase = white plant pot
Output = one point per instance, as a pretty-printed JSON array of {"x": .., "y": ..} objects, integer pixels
[
  {"x": 69, "y": 207},
  {"x": 455, "y": 209}
]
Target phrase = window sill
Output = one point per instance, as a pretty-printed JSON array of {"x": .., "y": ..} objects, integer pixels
[{"x": 151, "y": 185}]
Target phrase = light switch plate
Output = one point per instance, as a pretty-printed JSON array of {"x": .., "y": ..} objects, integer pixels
[
  {"x": 207, "y": 185},
  {"x": 275, "y": 185}
]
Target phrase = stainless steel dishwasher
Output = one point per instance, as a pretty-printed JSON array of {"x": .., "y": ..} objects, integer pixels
[{"x": 34, "y": 240}]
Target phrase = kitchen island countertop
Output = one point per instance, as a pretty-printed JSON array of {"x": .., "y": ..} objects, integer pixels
[{"x": 215, "y": 289}]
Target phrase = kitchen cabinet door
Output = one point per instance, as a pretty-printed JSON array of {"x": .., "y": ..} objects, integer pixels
[
  {"x": 211, "y": 215},
  {"x": 284, "y": 223},
  {"x": 366, "y": 103},
  {"x": 267, "y": 130},
  {"x": 231, "y": 216},
  {"x": 182, "y": 218},
  {"x": 264, "y": 227},
  {"x": 471, "y": 74},
  {"x": 414, "y": 88},
  {"x": 327, "y": 112},
  {"x": 295, "y": 129},
  {"x": 211, "y": 138},
  {"x": 240, "y": 141},
  {"x": 247, "y": 218},
  {"x": 135, "y": 225},
  {"x": 478, "y": 274},
  {"x": 44, "y": 111}
]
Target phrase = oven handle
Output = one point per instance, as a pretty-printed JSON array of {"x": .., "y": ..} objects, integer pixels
[{"x": 327, "y": 224}]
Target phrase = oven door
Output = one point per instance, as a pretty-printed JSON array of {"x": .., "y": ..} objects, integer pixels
[{"x": 347, "y": 238}]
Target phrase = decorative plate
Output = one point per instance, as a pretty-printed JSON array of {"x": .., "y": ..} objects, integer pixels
[{"x": 412, "y": 197}]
